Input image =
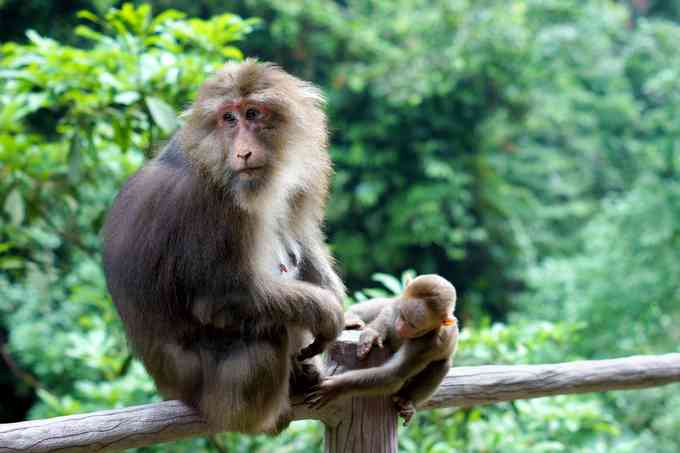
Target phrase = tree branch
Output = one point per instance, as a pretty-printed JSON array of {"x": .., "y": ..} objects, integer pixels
[{"x": 148, "y": 424}]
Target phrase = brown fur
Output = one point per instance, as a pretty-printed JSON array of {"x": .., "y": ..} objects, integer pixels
[
  {"x": 192, "y": 253},
  {"x": 421, "y": 360}
]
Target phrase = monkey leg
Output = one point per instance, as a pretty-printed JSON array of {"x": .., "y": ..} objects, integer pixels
[
  {"x": 175, "y": 370},
  {"x": 214, "y": 312},
  {"x": 366, "y": 311},
  {"x": 420, "y": 387},
  {"x": 245, "y": 389}
]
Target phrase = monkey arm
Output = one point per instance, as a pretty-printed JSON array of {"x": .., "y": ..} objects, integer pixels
[
  {"x": 384, "y": 320},
  {"x": 316, "y": 268},
  {"x": 368, "y": 310},
  {"x": 315, "y": 305},
  {"x": 387, "y": 379},
  {"x": 304, "y": 304},
  {"x": 317, "y": 271},
  {"x": 316, "y": 264},
  {"x": 369, "y": 381},
  {"x": 376, "y": 331},
  {"x": 298, "y": 302}
]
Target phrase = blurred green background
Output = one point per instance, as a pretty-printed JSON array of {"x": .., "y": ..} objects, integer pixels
[{"x": 528, "y": 151}]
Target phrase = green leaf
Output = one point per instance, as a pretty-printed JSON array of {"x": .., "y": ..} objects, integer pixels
[
  {"x": 11, "y": 262},
  {"x": 162, "y": 114},
  {"x": 15, "y": 207},
  {"x": 167, "y": 16},
  {"x": 74, "y": 160},
  {"x": 87, "y": 32},
  {"x": 390, "y": 282},
  {"x": 127, "y": 97},
  {"x": 375, "y": 292},
  {"x": 407, "y": 276},
  {"x": 84, "y": 14},
  {"x": 49, "y": 399},
  {"x": 232, "y": 52},
  {"x": 359, "y": 296}
]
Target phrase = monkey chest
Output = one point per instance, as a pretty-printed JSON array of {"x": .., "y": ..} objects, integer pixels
[{"x": 283, "y": 257}]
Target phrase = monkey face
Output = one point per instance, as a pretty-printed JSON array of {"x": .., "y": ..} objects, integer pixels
[
  {"x": 249, "y": 155},
  {"x": 415, "y": 319},
  {"x": 256, "y": 130}
]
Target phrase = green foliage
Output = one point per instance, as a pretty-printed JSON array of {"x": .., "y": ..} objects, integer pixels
[
  {"x": 392, "y": 286},
  {"x": 543, "y": 425},
  {"x": 620, "y": 286}
]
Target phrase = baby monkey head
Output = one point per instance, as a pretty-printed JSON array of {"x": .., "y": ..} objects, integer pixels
[{"x": 427, "y": 304}]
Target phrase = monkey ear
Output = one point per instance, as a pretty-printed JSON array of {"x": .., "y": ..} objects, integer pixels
[{"x": 448, "y": 321}]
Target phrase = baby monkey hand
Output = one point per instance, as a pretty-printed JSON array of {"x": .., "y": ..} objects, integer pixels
[
  {"x": 367, "y": 339},
  {"x": 326, "y": 391}
]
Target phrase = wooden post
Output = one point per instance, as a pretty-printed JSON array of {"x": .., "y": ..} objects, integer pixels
[{"x": 359, "y": 424}]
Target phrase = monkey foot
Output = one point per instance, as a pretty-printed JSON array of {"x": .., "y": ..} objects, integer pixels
[
  {"x": 405, "y": 408},
  {"x": 305, "y": 376},
  {"x": 309, "y": 351}
]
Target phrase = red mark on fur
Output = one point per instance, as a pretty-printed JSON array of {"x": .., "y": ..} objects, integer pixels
[{"x": 283, "y": 268}]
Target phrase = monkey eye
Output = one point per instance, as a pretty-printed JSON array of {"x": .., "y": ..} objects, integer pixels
[
  {"x": 252, "y": 114},
  {"x": 229, "y": 117}
]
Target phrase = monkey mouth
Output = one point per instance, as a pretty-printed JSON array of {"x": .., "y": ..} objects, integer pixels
[{"x": 250, "y": 172}]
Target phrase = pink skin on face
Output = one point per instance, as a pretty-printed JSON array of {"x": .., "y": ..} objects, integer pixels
[
  {"x": 243, "y": 120},
  {"x": 239, "y": 108},
  {"x": 404, "y": 330}
]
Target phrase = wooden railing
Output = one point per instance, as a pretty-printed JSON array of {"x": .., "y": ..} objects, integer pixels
[{"x": 356, "y": 425}]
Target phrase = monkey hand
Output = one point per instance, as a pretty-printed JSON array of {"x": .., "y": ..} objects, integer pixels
[
  {"x": 353, "y": 322},
  {"x": 405, "y": 408},
  {"x": 314, "y": 348},
  {"x": 326, "y": 391},
  {"x": 367, "y": 339},
  {"x": 325, "y": 331}
]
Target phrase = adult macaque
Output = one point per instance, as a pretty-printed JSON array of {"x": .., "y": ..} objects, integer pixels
[
  {"x": 419, "y": 327},
  {"x": 214, "y": 253}
]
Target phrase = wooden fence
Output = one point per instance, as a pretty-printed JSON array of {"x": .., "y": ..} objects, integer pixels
[{"x": 356, "y": 425}]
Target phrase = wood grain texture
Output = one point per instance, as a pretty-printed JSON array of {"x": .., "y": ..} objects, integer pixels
[
  {"x": 471, "y": 386},
  {"x": 359, "y": 424},
  {"x": 103, "y": 431}
]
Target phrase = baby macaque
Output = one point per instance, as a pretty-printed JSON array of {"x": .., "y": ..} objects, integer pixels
[{"x": 421, "y": 330}]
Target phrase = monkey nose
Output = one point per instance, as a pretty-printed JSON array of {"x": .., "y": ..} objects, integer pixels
[{"x": 244, "y": 156}]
